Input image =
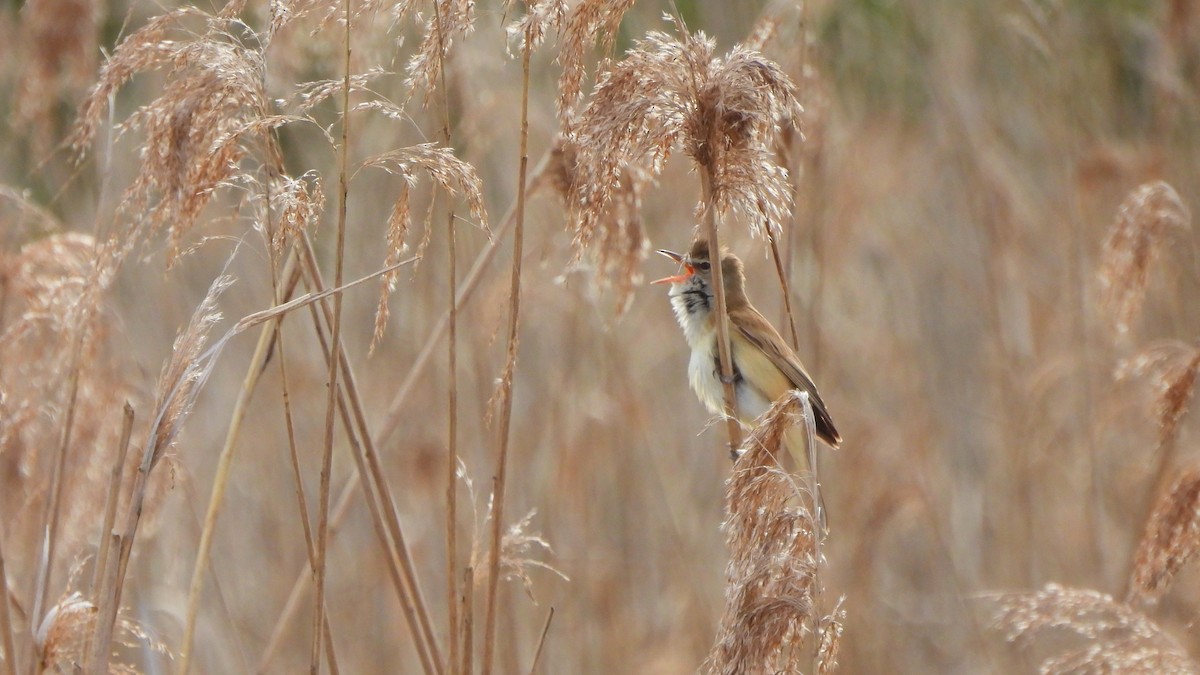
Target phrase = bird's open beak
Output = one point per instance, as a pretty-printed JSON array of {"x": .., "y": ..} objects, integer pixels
[{"x": 678, "y": 278}]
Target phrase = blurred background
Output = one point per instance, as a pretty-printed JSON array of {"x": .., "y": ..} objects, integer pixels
[{"x": 960, "y": 168}]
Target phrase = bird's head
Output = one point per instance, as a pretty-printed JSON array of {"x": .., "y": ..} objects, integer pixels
[{"x": 697, "y": 271}]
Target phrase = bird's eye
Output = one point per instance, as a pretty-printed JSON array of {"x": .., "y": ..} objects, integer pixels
[{"x": 703, "y": 265}]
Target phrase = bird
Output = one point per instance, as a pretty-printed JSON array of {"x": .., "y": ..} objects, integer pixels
[{"x": 764, "y": 366}]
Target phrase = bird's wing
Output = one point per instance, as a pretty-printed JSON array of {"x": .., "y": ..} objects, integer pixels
[{"x": 759, "y": 332}]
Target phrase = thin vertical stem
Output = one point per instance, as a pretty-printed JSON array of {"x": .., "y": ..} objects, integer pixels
[
  {"x": 468, "y": 622},
  {"x": 110, "y": 505},
  {"x": 49, "y": 529},
  {"x": 537, "y": 655},
  {"x": 783, "y": 286},
  {"x": 489, "y": 623},
  {"x": 334, "y": 362},
  {"x": 367, "y": 459},
  {"x": 452, "y": 375},
  {"x": 6, "y": 634},
  {"x": 726, "y": 358},
  {"x": 220, "y": 481}
]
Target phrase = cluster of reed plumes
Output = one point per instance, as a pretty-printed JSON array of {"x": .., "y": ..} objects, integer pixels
[{"x": 323, "y": 342}]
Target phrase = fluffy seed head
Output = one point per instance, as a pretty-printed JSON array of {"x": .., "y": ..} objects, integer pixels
[
  {"x": 1171, "y": 540},
  {"x": 1143, "y": 222}
]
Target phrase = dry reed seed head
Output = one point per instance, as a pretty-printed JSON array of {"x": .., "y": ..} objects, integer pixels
[
  {"x": 1119, "y": 638},
  {"x": 298, "y": 203},
  {"x": 144, "y": 50},
  {"x": 64, "y": 631},
  {"x": 724, "y": 111},
  {"x": 67, "y": 630},
  {"x": 772, "y": 574},
  {"x": 389, "y": 13},
  {"x": 56, "y": 304},
  {"x": 195, "y": 130},
  {"x": 184, "y": 374},
  {"x": 452, "y": 18},
  {"x": 1171, "y": 539},
  {"x": 830, "y": 639},
  {"x": 57, "y": 47},
  {"x": 617, "y": 244},
  {"x": 541, "y": 16},
  {"x": 455, "y": 177},
  {"x": 518, "y": 548},
  {"x": 1144, "y": 220},
  {"x": 309, "y": 95},
  {"x": 1172, "y": 367},
  {"x": 587, "y": 23}
]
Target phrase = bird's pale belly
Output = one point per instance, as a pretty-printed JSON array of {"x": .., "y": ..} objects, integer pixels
[{"x": 705, "y": 377}]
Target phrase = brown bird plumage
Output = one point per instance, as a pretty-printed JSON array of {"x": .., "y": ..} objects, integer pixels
[{"x": 765, "y": 367}]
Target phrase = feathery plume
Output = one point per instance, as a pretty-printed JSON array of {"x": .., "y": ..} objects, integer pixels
[
  {"x": 453, "y": 175},
  {"x": 1117, "y": 637},
  {"x": 1172, "y": 367},
  {"x": 195, "y": 129},
  {"x": 451, "y": 18},
  {"x": 723, "y": 111},
  {"x": 588, "y": 22},
  {"x": 541, "y": 16},
  {"x": 1134, "y": 242},
  {"x": 617, "y": 244},
  {"x": 1171, "y": 540},
  {"x": 771, "y": 580}
]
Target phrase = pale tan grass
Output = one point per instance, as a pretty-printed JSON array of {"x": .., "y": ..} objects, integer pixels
[
  {"x": 587, "y": 23},
  {"x": 1148, "y": 216},
  {"x": 772, "y": 580},
  {"x": 1171, "y": 538},
  {"x": 454, "y": 176},
  {"x": 1110, "y": 636}
]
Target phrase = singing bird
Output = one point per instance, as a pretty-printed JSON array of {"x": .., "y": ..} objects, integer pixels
[{"x": 764, "y": 366}]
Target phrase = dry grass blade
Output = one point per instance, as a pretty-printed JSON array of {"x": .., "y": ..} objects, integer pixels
[
  {"x": 1171, "y": 539},
  {"x": 771, "y": 580},
  {"x": 182, "y": 379},
  {"x": 1118, "y": 639},
  {"x": 1144, "y": 220}
]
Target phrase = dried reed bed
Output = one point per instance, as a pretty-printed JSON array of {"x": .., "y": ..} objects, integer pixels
[{"x": 943, "y": 286}]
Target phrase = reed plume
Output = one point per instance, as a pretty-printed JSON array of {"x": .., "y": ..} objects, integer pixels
[
  {"x": 1150, "y": 214},
  {"x": 1115, "y": 638},
  {"x": 1171, "y": 539},
  {"x": 772, "y": 580}
]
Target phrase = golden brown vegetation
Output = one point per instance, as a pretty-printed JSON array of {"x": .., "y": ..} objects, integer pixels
[{"x": 979, "y": 219}]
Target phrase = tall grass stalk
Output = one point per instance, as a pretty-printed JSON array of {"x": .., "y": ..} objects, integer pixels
[
  {"x": 452, "y": 376},
  {"x": 391, "y": 422},
  {"x": 110, "y": 503},
  {"x": 335, "y": 348},
  {"x": 506, "y": 391},
  {"x": 50, "y": 522},
  {"x": 6, "y": 635},
  {"x": 412, "y": 598},
  {"x": 732, "y": 426},
  {"x": 221, "y": 480}
]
